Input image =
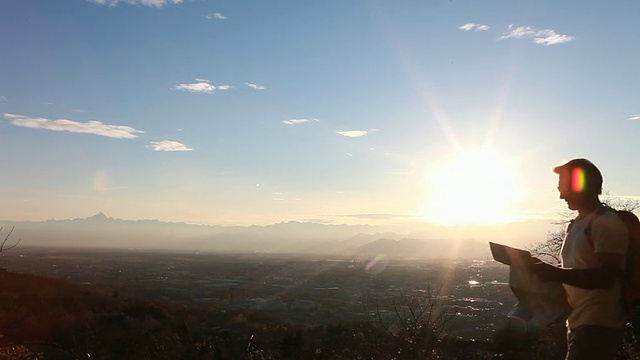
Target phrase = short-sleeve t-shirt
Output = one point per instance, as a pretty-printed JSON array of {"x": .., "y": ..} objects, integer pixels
[{"x": 600, "y": 306}]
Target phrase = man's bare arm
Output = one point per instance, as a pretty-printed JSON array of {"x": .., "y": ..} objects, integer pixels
[{"x": 601, "y": 277}]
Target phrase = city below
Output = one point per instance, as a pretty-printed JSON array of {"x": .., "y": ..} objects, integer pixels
[{"x": 305, "y": 290}]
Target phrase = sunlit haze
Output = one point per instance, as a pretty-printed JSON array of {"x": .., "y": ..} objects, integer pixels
[{"x": 383, "y": 113}]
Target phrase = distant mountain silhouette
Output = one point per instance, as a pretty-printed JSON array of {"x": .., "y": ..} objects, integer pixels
[
  {"x": 349, "y": 245},
  {"x": 98, "y": 217},
  {"x": 362, "y": 239},
  {"x": 430, "y": 249},
  {"x": 101, "y": 230}
]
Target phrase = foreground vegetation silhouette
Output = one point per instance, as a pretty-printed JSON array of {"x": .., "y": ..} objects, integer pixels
[{"x": 49, "y": 318}]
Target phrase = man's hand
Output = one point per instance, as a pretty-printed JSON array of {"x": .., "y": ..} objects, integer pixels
[{"x": 602, "y": 277}]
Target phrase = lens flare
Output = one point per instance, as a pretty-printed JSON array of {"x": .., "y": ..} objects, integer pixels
[
  {"x": 377, "y": 265},
  {"x": 100, "y": 181},
  {"x": 578, "y": 180}
]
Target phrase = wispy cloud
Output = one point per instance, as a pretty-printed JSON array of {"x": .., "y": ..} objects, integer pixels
[
  {"x": 168, "y": 145},
  {"x": 352, "y": 133},
  {"x": 91, "y": 127},
  {"x": 634, "y": 117},
  {"x": 472, "y": 26},
  {"x": 318, "y": 221},
  {"x": 298, "y": 121},
  {"x": 201, "y": 86},
  {"x": 218, "y": 16},
  {"x": 375, "y": 216},
  {"x": 3, "y": 99},
  {"x": 152, "y": 3},
  {"x": 254, "y": 86},
  {"x": 544, "y": 36}
]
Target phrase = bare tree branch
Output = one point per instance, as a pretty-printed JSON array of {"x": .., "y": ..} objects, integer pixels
[
  {"x": 415, "y": 321},
  {"x": 4, "y": 242}
]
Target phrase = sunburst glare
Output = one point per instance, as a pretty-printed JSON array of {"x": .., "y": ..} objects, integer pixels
[{"x": 476, "y": 187}]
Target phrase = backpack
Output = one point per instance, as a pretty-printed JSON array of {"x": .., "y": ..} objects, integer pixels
[{"x": 631, "y": 279}]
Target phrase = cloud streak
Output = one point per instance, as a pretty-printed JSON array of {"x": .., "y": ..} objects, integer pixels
[
  {"x": 168, "y": 145},
  {"x": 472, "y": 26},
  {"x": 352, "y": 133},
  {"x": 151, "y": 3},
  {"x": 91, "y": 127},
  {"x": 201, "y": 86},
  {"x": 545, "y": 36},
  {"x": 375, "y": 216},
  {"x": 634, "y": 117},
  {"x": 298, "y": 121},
  {"x": 254, "y": 86},
  {"x": 218, "y": 16}
]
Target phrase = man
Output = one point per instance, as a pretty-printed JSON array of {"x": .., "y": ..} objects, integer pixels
[{"x": 593, "y": 260}]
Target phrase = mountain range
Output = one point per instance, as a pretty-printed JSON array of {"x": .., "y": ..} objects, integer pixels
[{"x": 286, "y": 237}]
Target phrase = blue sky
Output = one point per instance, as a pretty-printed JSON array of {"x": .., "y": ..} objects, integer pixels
[{"x": 256, "y": 112}]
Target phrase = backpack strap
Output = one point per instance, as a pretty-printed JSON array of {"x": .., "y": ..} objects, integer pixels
[
  {"x": 571, "y": 223},
  {"x": 587, "y": 230}
]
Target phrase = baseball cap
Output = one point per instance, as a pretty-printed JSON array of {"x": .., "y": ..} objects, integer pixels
[{"x": 584, "y": 175}]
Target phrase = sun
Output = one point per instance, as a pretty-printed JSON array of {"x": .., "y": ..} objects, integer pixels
[{"x": 475, "y": 187}]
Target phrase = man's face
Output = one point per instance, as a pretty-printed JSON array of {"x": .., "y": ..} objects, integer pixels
[{"x": 567, "y": 193}]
